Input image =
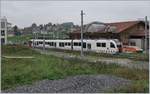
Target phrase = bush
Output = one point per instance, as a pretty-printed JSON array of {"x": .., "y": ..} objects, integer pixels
[{"x": 138, "y": 86}]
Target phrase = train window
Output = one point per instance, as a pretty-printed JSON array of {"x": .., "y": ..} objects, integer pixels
[
  {"x": 66, "y": 43},
  {"x": 112, "y": 45},
  {"x": 69, "y": 43},
  {"x": 84, "y": 45},
  {"x": 75, "y": 44},
  {"x": 37, "y": 43},
  {"x": 103, "y": 44},
  {"x": 61, "y": 44},
  {"x": 79, "y": 43},
  {"x": 40, "y": 42},
  {"x": 98, "y": 44},
  {"x": 49, "y": 43}
]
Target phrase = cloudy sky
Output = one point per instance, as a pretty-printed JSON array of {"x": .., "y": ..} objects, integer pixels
[{"x": 24, "y": 13}]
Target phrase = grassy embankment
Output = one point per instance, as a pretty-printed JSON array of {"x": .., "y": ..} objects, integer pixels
[
  {"x": 20, "y": 39},
  {"x": 133, "y": 56},
  {"x": 26, "y": 71}
]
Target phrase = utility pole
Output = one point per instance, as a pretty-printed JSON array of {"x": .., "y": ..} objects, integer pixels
[
  {"x": 146, "y": 23},
  {"x": 82, "y": 33},
  {"x": 33, "y": 39},
  {"x": 43, "y": 42}
]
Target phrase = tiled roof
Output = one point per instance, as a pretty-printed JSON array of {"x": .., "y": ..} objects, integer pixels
[{"x": 122, "y": 26}]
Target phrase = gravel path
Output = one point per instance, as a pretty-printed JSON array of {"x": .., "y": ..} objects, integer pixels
[{"x": 74, "y": 84}]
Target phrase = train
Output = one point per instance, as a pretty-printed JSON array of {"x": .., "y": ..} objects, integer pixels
[{"x": 111, "y": 46}]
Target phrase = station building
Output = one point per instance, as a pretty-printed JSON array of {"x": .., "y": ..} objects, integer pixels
[{"x": 129, "y": 32}]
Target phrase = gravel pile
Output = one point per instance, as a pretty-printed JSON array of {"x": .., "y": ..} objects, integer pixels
[{"x": 75, "y": 84}]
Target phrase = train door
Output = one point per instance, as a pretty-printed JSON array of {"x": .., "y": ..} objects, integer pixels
[
  {"x": 88, "y": 46},
  {"x": 55, "y": 44},
  {"x": 112, "y": 47},
  {"x": 107, "y": 49}
]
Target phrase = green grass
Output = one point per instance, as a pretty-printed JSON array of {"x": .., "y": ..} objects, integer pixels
[
  {"x": 17, "y": 50},
  {"x": 133, "y": 56},
  {"x": 20, "y": 39},
  {"x": 139, "y": 86},
  {"x": 26, "y": 71}
]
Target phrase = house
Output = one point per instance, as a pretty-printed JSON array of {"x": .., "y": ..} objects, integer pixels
[
  {"x": 4, "y": 28},
  {"x": 129, "y": 32}
]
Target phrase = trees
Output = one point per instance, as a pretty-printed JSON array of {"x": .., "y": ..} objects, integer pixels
[
  {"x": 34, "y": 25},
  {"x": 16, "y": 31}
]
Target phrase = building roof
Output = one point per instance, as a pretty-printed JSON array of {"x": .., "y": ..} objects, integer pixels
[{"x": 122, "y": 26}]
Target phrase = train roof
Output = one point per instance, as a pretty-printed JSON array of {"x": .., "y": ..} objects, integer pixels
[{"x": 71, "y": 39}]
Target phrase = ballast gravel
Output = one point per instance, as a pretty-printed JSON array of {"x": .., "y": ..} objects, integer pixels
[{"x": 74, "y": 84}]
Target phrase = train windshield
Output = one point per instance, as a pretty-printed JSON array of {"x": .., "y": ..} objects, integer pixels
[{"x": 118, "y": 43}]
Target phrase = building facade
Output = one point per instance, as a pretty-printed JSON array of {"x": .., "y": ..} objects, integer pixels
[
  {"x": 129, "y": 32},
  {"x": 4, "y": 30}
]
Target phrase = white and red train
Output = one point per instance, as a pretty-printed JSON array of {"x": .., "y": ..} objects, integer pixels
[{"x": 99, "y": 45}]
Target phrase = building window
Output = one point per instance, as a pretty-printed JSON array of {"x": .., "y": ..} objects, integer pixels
[
  {"x": 2, "y": 32},
  {"x": 2, "y": 40},
  {"x": 132, "y": 43},
  {"x": 2, "y": 24}
]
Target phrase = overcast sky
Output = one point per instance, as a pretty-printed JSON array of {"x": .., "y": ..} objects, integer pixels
[{"x": 24, "y": 13}]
